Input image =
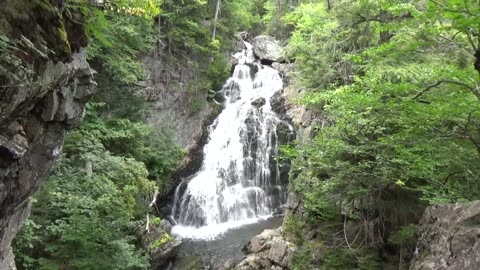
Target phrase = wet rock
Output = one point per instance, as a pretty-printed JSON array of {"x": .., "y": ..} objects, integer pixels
[
  {"x": 220, "y": 97},
  {"x": 254, "y": 68},
  {"x": 284, "y": 133},
  {"x": 278, "y": 104},
  {"x": 163, "y": 255},
  {"x": 268, "y": 48},
  {"x": 166, "y": 226},
  {"x": 449, "y": 238},
  {"x": 259, "y": 102}
]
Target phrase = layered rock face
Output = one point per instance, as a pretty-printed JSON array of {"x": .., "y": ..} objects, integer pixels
[
  {"x": 34, "y": 118},
  {"x": 449, "y": 238}
]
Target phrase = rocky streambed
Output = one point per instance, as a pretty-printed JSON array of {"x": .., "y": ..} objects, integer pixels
[{"x": 222, "y": 253}]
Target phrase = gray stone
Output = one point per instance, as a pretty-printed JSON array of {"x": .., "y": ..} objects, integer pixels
[
  {"x": 166, "y": 226},
  {"x": 161, "y": 256},
  {"x": 278, "y": 252},
  {"x": 228, "y": 265},
  {"x": 259, "y": 102},
  {"x": 14, "y": 223},
  {"x": 268, "y": 48},
  {"x": 9, "y": 261},
  {"x": 250, "y": 263},
  {"x": 449, "y": 238},
  {"x": 268, "y": 250},
  {"x": 33, "y": 124},
  {"x": 278, "y": 104},
  {"x": 171, "y": 106}
]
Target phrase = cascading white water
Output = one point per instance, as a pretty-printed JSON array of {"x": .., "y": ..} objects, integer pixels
[{"x": 239, "y": 180}]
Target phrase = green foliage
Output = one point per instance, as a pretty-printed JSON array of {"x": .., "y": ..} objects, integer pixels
[
  {"x": 272, "y": 17},
  {"x": 387, "y": 132},
  {"x": 396, "y": 82},
  {"x": 155, "y": 221},
  {"x": 125, "y": 38},
  {"x": 339, "y": 258},
  {"x": 404, "y": 236},
  {"x": 166, "y": 238},
  {"x": 294, "y": 229},
  {"x": 25, "y": 242},
  {"x": 117, "y": 34},
  {"x": 302, "y": 258},
  {"x": 89, "y": 213}
]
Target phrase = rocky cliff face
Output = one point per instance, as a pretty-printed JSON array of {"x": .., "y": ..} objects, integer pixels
[
  {"x": 449, "y": 238},
  {"x": 36, "y": 112},
  {"x": 176, "y": 108}
]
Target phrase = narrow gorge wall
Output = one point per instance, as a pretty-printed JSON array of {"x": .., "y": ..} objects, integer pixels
[{"x": 36, "y": 107}]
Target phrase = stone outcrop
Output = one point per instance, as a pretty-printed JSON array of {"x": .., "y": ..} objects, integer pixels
[
  {"x": 268, "y": 250},
  {"x": 449, "y": 238},
  {"x": 177, "y": 109},
  {"x": 34, "y": 124},
  {"x": 162, "y": 256},
  {"x": 37, "y": 110},
  {"x": 268, "y": 48}
]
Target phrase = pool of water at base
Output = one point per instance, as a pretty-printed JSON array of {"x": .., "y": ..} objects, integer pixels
[{"x": 226, "y": 248}]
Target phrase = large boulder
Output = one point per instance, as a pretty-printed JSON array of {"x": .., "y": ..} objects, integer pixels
[
  {"x": 449, "y": 238},
  {"x": 268, "y": 250},
  {"x": 164, "y": 254},
  {"x": 268, "y": 48}
]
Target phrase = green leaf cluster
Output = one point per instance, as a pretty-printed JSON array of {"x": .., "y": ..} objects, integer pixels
[{"x": 396, "y": 84}]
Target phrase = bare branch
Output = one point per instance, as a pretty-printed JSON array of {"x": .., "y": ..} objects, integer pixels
[
  {"x": 346, "y": 238},
  {"x": 470, "y": 40},
  {"x": 470, "y": 88}
]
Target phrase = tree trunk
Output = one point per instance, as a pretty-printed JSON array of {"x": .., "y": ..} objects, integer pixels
[
  {"x": 329, "y": 5},
  {"x": 217, "y": 11},
  {"x": 385, "y": 18},
  {"x": 477, "y": 60}
]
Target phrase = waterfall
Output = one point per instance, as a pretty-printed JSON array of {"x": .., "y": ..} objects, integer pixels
[{"x": 239, "y": 180}]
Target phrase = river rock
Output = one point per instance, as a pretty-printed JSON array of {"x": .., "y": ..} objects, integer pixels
[
  {"x": 278, "y": 104},
  {"x": 164, "y": 254},
  {"x": 259, "y": 102},
  {"x": 449, "y": 238},
  {"x": 268, "y": 250},
  {"x": 268, "y": 48}
]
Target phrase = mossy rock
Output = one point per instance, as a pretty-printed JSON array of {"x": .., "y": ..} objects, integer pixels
[{"x": 41, "y": 22}]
